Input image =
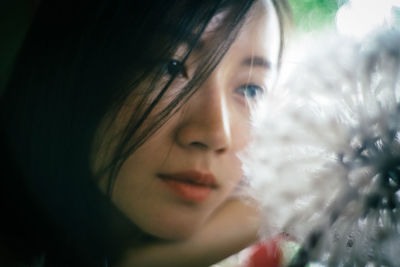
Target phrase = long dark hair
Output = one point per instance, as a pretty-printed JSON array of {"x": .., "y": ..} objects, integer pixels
[{"x": 80, "y": 61}]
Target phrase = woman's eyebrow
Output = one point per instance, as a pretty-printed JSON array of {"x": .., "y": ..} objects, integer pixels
[
  {"x": 257, "y": 61},
  {"x": 190, "y": 40}
]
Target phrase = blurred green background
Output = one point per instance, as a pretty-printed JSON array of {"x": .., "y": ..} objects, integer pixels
[{"x": 314, "y": 14}]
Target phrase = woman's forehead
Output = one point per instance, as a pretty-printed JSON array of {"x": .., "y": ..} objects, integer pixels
[
  {"x": 259, "y": 8},
  {"x": 216, "y": 21},
  {"x": 260, "y": 33}
]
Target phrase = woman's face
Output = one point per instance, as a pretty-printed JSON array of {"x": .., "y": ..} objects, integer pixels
[{"x": 178, "y": 178}]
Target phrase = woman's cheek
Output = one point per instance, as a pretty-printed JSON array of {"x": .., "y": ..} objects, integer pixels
[
  {"x": 241, "y": 125},
  {"x": 241, "y": 137}
]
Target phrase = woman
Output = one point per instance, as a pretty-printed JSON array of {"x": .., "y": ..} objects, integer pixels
[{"x": 120, "y": 129}]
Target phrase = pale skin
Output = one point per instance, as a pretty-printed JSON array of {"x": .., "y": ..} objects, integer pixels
[{"x": 206, "y": 134}]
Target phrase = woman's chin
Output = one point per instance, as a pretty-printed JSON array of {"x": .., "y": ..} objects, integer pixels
[{"x": 173, "y": 231}]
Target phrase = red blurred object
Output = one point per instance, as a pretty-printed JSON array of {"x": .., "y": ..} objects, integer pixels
[{"x": 265, "y": 254}]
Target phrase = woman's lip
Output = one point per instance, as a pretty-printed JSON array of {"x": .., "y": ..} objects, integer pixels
[
  {"x": 194, "y": 177},
  {"x": 192, "y": 186}
]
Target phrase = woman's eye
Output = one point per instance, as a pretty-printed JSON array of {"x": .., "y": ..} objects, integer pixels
[
  {"x": 250, "y": 91},
  {"x": 175, "y": 68}
]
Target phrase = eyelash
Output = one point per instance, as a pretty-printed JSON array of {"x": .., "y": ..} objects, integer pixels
[
  {"x": 175, "y": 68},
  {"x": 250, "y": 91}
]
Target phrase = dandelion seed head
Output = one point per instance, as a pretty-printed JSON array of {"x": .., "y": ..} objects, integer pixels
[{"x": 324, "y": 162}]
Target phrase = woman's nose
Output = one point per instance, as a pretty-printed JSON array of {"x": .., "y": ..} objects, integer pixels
[{"x": 206, "y": 121}]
